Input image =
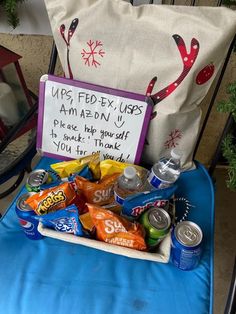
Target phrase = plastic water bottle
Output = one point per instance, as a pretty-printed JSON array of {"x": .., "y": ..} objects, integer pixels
[
  {"x": 165, "y": 172},
  {"x": 127, "y": 184}
]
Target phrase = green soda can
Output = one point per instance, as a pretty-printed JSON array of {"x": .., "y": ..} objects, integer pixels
[
  {"x": 157, "y": 223},
  {"x": 35, "y": 179}
]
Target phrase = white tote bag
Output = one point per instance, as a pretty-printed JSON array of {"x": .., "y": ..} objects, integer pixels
[{"x": 171, "y": 53}]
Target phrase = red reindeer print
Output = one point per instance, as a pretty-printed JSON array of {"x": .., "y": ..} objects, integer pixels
[
  {"x": 173, "y": 139},
  {"x": 94, "y": 51},
  {"x": 205, "y": 74},
  {"x": 70, "y": 33},
  {"x": 151, "y": 86},
  {"x": 188, "y": 60}
]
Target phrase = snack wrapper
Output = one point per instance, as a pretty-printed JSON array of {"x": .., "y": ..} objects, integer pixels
[
  {"x": 66, "y": 168},
  {"x": 64, "y": 220},
  {"x": 113, "y": 207},
  {"x": 114, "y": 229},
  {"x": 101, "y": 192},
  {"x": 135, "y": 205},
  {"x": 85, "y": 173},
  {"x": 109, "y": 167},
  {"x": 94, "y": 166},
  {"x": 87, "y": 222},
  {"x": 56, "y": 198}
]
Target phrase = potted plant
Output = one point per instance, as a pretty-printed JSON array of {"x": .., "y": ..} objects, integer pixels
[
  {"x": 10, "y": 9},
  {"x": 229, "y": 142}
]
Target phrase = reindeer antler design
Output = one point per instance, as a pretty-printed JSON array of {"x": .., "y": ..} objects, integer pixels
[
  {"x": 71, "y": 31},
  {"x": 188, "y": 60}
]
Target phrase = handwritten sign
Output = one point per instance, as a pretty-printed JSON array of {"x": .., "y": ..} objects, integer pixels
[{"x": 77, "y": 119}]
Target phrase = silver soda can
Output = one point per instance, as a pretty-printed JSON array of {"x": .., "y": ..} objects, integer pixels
[
  {"x": 186, "y": 245},
  {"x": 35, "y": 179},
  {"x": 26, "y": 217}
]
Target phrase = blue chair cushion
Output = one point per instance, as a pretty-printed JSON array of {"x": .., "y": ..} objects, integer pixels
[{"x": 51, "y": 276}]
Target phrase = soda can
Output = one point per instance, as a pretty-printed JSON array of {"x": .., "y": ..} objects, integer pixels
[
  {"x": 156, "y": 222},
  {"x": 186, "y": 245},
  {"x": 26, "y": 217},
  {"x": 152, "y": 244},
  {"x": 35, "y": 179}
]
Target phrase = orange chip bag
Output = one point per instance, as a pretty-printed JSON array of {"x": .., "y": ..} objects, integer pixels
[
  {"x": 100, "y": 192},
  {"x": 113, "y": 207},
  {"x": 87, "y": 222},
  {"x": 55, "y": 198},
  {"x": 114, "y": 229}
]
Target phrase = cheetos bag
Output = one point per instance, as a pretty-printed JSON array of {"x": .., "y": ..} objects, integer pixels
[{"x": 171, "y": 53}]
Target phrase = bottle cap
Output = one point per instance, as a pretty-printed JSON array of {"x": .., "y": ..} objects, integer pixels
[
  {"x": 176, "y": 153},
  {"x": 130, "y": 172}
]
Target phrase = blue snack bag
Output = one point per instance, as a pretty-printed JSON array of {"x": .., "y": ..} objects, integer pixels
[
  {"x": 85, "y": 173},
  {"x": 136, "y": 204},
  {"x": 64, "y": 220}
]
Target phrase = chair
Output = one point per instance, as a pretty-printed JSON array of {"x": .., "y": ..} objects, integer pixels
[
  {"x": 64, "y": 277},
  {"x": 16, "y": 159},
  {"x": 48, "y": 276}
]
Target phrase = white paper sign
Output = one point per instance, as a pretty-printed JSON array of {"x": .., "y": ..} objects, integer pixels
[{"x": 77, "y": 119}]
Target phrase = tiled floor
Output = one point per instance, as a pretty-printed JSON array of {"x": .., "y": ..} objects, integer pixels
[
  {"x": 225, "y": 239},
  {"x": 225, "y": 236}
]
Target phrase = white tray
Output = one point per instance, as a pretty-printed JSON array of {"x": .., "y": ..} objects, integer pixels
[{"x": 162, "y": 254}]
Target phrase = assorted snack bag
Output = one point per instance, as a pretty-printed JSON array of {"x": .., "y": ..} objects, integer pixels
[
  {"x": 115, "y": 229},
  {"x": 81, "y": 201},
  {"x": 99, "y": 192},
  {"x": 64, "y": 220},
  {"x": 56, "y": 198},
  {"x": 66, "y": 168},
  {"x": 108, "y": 167},
  {"x": 135, "y": 205}
]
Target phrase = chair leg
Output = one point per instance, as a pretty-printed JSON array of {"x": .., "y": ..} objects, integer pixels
[{"x": 14, "y": 186}]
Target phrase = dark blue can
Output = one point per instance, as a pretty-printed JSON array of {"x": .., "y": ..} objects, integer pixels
[
  {"x": 26, "y": 217},
  {"x": 186, "y": 245}
]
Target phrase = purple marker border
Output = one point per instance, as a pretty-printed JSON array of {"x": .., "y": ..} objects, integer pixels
[
  {"x": 143, "y": 134},
  {"x": 56, "y": 156},
  {"x": 97, "y": 88},
  {"x": 40, "y": 114}
]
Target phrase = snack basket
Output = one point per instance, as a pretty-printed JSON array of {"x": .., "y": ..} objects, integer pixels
[{"x": 161, "y": 254}]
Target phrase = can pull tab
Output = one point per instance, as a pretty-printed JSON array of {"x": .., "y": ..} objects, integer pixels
[
  {"x": 39, "y": 178},
  {"x": 157, "y": 218},
  {"x": 189, "y": 234}
]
